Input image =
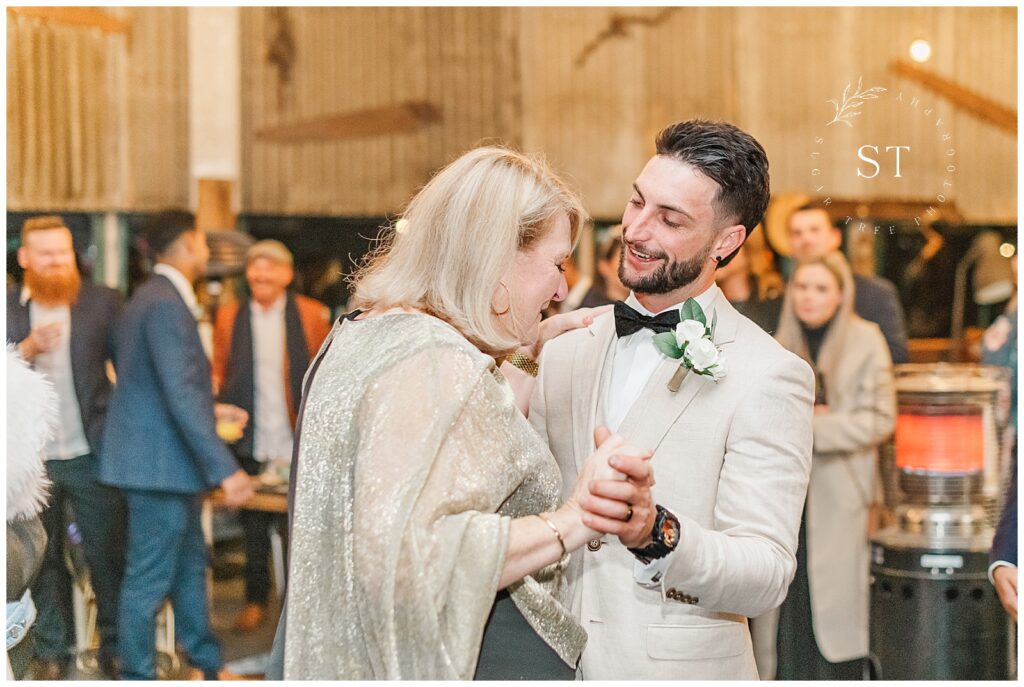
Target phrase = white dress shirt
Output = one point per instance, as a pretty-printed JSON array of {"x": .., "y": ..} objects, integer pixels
[
  {"x": 68, "y": 439},
  {"x": 996, "y": 564},
  {"x": 181, "y": 284},
  {"x": 636, "y": 359},
  {"x": 272, "y": 427},
  {"x": 184, "y": 288}
]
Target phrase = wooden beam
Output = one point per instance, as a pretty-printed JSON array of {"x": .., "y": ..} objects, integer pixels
[
  {"x": 980, "y": 106},
  {"x": 91, "y": 17},
  {"x": 392, "y": 119},
  {"x": 213, "y": 211}
]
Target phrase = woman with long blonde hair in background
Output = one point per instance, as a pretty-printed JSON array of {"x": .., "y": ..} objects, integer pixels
[{"x": 823, "y": 623}]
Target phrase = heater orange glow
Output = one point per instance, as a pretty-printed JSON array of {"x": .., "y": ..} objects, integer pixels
[{"x": 940, "y": 443}]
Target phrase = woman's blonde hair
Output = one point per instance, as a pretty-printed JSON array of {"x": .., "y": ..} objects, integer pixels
[
  {"x": 791, "y": 335},
  {"x": 459, "y": 236}
]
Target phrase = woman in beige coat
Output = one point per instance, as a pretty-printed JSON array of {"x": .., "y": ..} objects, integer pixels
[{"x": 854, "y": 413}]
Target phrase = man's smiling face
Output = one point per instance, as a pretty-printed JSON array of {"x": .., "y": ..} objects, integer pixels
[{"x": 668, "y": 227}]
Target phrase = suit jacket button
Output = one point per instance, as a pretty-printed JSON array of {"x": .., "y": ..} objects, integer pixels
[
  {"x": 694, "y": 600},
  {"x": 594, "y": 544}
]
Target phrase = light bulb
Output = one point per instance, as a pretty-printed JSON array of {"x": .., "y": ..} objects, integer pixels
[{"x": 920, "y": 50}]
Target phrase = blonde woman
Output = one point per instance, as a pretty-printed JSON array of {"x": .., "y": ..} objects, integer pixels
[
  {"x": 854, "y": 412},
  {"x": 429, "y": 529}
]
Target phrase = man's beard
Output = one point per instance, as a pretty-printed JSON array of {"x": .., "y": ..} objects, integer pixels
[
  {"x": 56, "y": 288},
  {"x": 671, "y": 275}
]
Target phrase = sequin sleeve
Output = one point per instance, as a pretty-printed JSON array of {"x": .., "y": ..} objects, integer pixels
[
  {"x": 413, "y": 461},
  {"x": 429, "y": 546}
]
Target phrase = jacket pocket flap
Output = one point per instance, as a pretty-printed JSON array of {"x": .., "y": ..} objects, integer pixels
[{"x": 681, "y": 642}]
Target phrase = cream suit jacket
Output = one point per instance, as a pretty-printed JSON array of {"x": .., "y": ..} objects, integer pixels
[{"x": 731, "y": 461}]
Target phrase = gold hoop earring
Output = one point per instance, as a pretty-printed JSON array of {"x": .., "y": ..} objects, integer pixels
[{"x": 507, "y": 307}]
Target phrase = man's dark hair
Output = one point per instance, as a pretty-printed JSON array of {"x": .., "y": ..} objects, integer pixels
[
  {"x": 165, "y": 227},
  {"x": 816, "y": 205},
  {"x": 729, "y": 156}
]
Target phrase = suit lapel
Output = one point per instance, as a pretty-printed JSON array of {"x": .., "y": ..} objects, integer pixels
[
  {"x": 589, "y": 367},
  {"x": 657, "y": 408},
  {"x": 79, "y": 356},
  {"x": 19, "y": 323}
]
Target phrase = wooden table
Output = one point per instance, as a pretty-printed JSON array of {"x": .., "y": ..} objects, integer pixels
[
  {"x": 266, "y": 501},
  {"x": 269, "y": 501}
]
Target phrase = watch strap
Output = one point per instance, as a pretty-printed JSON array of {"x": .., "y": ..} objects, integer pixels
[{"x": 658, "y": 548}]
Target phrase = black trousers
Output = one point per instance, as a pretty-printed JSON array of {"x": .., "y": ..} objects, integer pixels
[
  {"x": 92, "y": 516},
  {"x": 257, "y": 526},
  {"x": 799, "y": 657}
]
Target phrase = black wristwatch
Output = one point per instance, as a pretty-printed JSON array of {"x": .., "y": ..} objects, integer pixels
[{"x": 664, "y": 537}]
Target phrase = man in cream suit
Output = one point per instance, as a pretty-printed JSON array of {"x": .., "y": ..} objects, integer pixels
[{"x": 731, "y": 457}]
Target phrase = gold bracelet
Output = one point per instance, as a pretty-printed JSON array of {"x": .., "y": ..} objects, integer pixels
[
  {"x": 524, "y": 363},
  {"x": 558, "y": 534}
]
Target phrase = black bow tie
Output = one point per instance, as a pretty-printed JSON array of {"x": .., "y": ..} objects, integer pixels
[{"x": 629, "y": 321}]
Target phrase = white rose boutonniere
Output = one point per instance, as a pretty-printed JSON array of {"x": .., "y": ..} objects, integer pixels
[
  {"x": 689, "y": 331},
  {"x": 691, "y": 344}
]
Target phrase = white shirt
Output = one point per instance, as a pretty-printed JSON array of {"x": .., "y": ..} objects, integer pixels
[
  {"x": 636, "y": 359},
  {"x": 68, "y": 439},
  {"x": 996, "y": 564},
  {"x": 181, "y": 284},
  {"x": 272, "y": 424},
  {"x": 184, "y": 288}
]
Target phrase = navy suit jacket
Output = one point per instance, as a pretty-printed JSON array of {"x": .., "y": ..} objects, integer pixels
[
  {"x": 161, "y": 433},
  {"x": 876, "y": 300},
  {"x": 1004, "y": 544},
  {"x": 93, "y": 319}
]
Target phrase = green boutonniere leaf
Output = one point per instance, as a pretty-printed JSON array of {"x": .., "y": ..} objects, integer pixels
[
  {"x": 691, "y": 310},
  {"x": 666, "y": 343}
]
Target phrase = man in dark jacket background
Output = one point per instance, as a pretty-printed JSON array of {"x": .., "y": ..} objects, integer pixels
[
  {"x": 64, "y": 328},
  {"x": 812, "y": 234},
  {"x": 262, "y": 345},
  {"x": 164, "y": 452}
]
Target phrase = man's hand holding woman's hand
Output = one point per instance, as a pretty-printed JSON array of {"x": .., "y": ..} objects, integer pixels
[{"x": 614, "y": 490}]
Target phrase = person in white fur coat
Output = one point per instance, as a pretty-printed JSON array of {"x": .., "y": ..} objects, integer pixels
[{"x": 31, "y": 413}]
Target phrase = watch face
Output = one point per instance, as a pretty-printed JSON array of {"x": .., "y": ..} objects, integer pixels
[{"x": 669, "y": 533}]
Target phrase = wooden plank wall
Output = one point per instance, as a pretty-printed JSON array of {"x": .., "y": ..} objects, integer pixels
[
  {"x": 792, "y": 60},
  {"x": 97, "y": 121},
  {"x": 157, "y": 109},
  {"x": 353, "y": 58},
  {"x": 57, "y": 115},
  {"x": 516, "y": 74}
]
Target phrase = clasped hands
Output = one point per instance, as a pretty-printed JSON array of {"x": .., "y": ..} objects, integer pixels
[{"x": 613, "y": 490}]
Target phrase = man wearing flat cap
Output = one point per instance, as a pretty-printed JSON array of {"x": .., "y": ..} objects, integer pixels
[{"x": 262, "y": 345}]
